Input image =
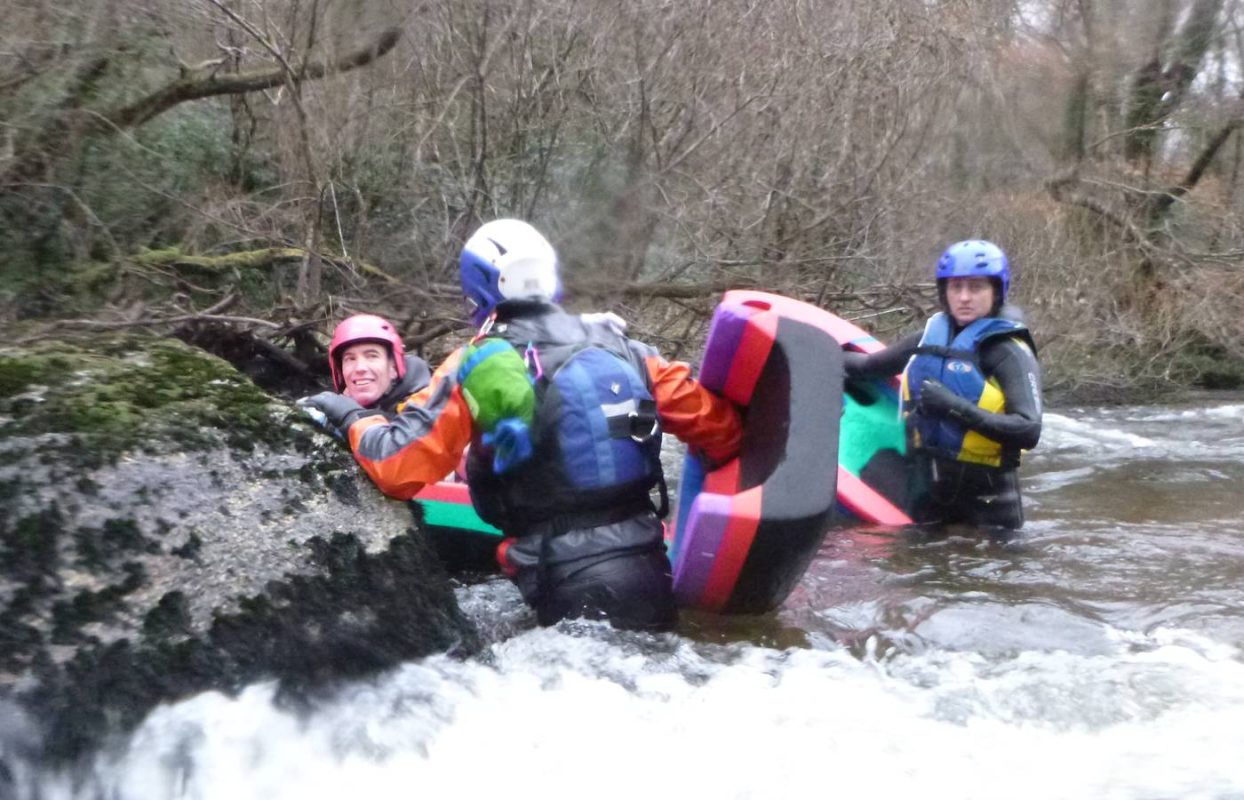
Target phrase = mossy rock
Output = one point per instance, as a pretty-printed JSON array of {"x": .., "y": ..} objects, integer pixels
[
  {"x": 166, "y": 527},
  {"x": 129, "y": 392}
]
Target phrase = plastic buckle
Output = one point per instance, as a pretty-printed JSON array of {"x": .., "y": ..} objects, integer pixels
[{"x": 643, "y": 438}]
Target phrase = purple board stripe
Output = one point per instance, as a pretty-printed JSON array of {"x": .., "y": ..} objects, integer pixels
[
  {"x": 724, "y": 336},
  {"x": 704, "y": 530}
]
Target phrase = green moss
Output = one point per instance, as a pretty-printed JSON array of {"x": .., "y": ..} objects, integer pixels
[
  {"x": 124, "y": 392},
  {"x": 68, "y": 617},
  {"x": 100, "y": 547},
  {"x": 170, "y": 617},
  {"x": 16, "y": 636},
  {"x": 10, "y": 490},
  {"x": 28, "y": 549},
  {"x": 158, "y": 256},
  {"x": 191, "y": 548},
  {"x": 16, "y": 376},
  {"x": 86, "y": 485},
  {"x": 1208, "y": 365}
]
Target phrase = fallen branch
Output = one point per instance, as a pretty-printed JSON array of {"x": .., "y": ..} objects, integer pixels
[
  {"x": 148, "y": 322},
  {"x": 1198, "y": 168},
  {"x": 277, "y": 354},
  {"x": 196, "y": 84},
  {"x": 250, "y": 259},
  {"x": 701, "y": 291},
  {"x": 686, "y": 291},
  {"x": 1067, "y": 189},
  {"x": 54, "y": 141}
]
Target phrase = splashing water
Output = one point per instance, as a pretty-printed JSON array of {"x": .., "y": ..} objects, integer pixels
[{"x": 1097, "y": 656}]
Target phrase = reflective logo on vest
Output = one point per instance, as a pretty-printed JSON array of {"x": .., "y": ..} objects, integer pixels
[{"x": 961, "y": 367}]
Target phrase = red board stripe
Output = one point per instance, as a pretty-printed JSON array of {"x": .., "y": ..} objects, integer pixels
[
  {"x": 735, "y": 544},
  {"x": 751, "y": 357},
  {"x": 724, "y": 480},
  {"x": 866, "y": 503},
  {"x": 445, "y": 492}
]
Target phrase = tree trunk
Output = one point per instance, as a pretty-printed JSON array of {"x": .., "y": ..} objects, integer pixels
[{"x": 1159, "y": 86}]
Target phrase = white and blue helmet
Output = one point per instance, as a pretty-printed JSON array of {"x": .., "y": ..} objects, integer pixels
[{"x": 507, "y": 259}]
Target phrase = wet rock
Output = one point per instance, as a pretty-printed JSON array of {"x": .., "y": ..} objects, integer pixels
[{"x": 167, "y": 528}]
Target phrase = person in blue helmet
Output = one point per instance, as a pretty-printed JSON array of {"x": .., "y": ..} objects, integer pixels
[
  {"x": 561, "y": 416},
  {"x": 971, "y": 394}
]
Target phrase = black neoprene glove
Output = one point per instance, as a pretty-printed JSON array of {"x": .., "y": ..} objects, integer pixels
[
  {"x": 340, "y": 412},
  {"x": 938, "y": 401}
]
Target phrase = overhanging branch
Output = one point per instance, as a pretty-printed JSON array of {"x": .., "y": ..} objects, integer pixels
[{"x": 205, "y": 82}]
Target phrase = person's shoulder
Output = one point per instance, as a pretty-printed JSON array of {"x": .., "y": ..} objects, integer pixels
[
  {"x": 416, "y": 378},
  {"x": 607, "y": 319},
  {"x": 418, "y": 373},
  {"x": 1017, "y": 342},
  {"x": 1012, "y": 313},
  {"x": 1015, "y": 330}
]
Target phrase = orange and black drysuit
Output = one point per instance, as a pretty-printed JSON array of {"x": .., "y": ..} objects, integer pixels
[
  {"x": 571, "y": 554},
  {"x": 417, "y": 378}
]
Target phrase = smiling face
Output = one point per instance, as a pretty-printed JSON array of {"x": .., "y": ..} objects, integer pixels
[
  {"x": 969, "y": 299},
  {"x": 368, "y": 371}
]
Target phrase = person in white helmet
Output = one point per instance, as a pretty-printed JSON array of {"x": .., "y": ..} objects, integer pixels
[{"x": 564, "y": 416}]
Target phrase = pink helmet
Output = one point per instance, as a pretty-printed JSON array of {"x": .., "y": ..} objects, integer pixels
[{"x": 364, "y": 328}]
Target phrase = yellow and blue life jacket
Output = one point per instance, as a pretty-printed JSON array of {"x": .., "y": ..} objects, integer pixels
[{"x": 956, "y": 364}]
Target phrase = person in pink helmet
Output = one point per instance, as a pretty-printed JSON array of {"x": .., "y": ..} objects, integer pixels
[{"x": 370, "y": 367}]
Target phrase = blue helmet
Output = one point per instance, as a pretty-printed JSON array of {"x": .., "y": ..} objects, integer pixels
[
  {"x": 975, "y": 258},
  {"x": 507, "y": 259}
]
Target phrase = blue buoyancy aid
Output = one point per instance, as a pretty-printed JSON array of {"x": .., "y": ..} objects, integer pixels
[
  {"x": 954, "y": 360},
  {"x": 595, "y": 433}
]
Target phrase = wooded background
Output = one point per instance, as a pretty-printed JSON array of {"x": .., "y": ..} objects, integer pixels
[{"x": 264, "y": 167}]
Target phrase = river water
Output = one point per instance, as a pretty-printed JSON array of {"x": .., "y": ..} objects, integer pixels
[{"x": 1096, "y": 656}]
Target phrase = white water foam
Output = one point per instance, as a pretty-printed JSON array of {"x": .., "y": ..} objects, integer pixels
[
  {"x": 1065, "y": 433},
  {"x": 586, "y": 712}
]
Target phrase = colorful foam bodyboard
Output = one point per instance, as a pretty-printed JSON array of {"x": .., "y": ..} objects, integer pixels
[
  {"x": 746, "y": 532},
  {"x": 447, "y": 504},
  {"x": 872, "y": 469}
]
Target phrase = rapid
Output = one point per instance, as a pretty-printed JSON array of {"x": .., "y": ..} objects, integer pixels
[{"x": 1098, "y": 654}]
